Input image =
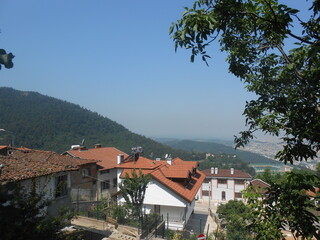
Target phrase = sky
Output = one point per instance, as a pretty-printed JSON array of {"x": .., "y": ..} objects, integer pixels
[{"x": 116, "y": 58}]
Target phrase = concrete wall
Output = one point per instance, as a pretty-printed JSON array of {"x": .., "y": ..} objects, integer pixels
[
  {"x": 47, "y": 186},
  {"x": 103, "y": 176}
]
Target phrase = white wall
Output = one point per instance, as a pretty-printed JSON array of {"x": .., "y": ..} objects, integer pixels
[
  {"x": 157, "y": 194},
  {"x": 45, "y": 184},
  {"x": 107, "y": 176},
  {"x": 230, "y": 188}
]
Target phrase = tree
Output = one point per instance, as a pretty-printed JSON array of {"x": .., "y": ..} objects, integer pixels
[
  {"x": 6, "y": 59},
  {"x": 22, "y": 215},
  {"x": 268, "y": 176},
  {"x": 257, "y": 34},
  {"x": 287, "y": 205},
  {"x": 133, "y": 188},
  {"x": 236, "y": 215}
]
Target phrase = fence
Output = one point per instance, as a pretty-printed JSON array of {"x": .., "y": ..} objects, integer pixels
[{"x": 152, "y": 225}]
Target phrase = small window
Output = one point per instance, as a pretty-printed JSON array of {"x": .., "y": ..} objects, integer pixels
[
  {"x": 61, "y": 186},
  {"x": 86, "y": 172},
  {"x": 222, "y": 181},
  {"x": 239, "y": 181},
  {"x": 223, "y": 195},
  {"x": 205, "y": 193},
  {"x": 105, "y": 185},
  {"x": 115, "y": 182},
  {"x": 238, "y": 195}
]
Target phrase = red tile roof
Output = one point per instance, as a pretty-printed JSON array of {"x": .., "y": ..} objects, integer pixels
[
  {"x": 226, "y": 173},
  {"x": 259, "y": 183},
  {"x": 26, "y": 163},
  {"x": 164, "y": 173},
  {"x": 143, "y": 163},
  {"x": 106, "y": 155}
]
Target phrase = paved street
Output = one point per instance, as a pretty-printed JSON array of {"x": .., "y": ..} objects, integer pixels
[{"x": 200, "y": 219}]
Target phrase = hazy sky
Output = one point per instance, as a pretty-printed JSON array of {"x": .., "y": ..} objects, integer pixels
[{"x": 116, "y": 58}]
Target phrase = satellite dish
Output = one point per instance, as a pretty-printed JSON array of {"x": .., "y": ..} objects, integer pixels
[
  {"x": 82, "y": 142},
  {"x": 166, "y": 156}
]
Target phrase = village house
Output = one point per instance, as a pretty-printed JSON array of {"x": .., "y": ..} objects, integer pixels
[
  {"x": 222, "y": 185},
  {"x": 54, "y": 175},
  {"x": 107, "y": 162},
  {"x": 172, "y": 189}
]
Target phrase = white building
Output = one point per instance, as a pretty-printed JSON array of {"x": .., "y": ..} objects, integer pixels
[
  {"x": 172, "y": 190},
  {"x": 222, "y": 185}
]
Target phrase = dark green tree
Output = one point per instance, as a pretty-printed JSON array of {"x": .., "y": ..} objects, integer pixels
[
  {"x": 257, "y": 36},
  {"x": 133, "y": 188},
  {"x": 236, "y": 215},
  {"x": 23, "y": 215},
  {"x": 6, "y": 59},
  {"x": 285, "y": 205},
  {"x": 269, "y": 177}
]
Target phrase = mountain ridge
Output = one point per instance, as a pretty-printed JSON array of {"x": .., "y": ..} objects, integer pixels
[{"x": 42, "y": 122}]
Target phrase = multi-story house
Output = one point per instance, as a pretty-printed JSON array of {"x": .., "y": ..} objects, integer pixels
[
  {"x": 172, "y": 189},
  {"x": 107, "y": 162},
  {"x": 222, "y": 185}
]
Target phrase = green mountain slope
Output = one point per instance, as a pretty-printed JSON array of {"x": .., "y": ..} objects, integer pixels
[
  {"x": 43, "y": 122},
  {"x": 216, "y": 148}
]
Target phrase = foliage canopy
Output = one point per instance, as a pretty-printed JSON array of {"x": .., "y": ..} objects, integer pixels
[
  {"x": 133, "y": 188},
  {"x": 256, "y": 35},
  {"x": 6, "y": 59},
  {"x": 22, "y": 215},
  {"x": 286, "y": 204}
]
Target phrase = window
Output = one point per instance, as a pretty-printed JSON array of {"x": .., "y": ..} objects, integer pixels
[
  {"x": 238, "y": 195},
  {"x": 205, "y": 193},
  {"x": 105, "y": 184},
  {"x": 115, "y": 182},
  {"x": 61, "y": 186},
  {"x": 85, "y": 172},
  {"x": 222, "y": 181},
  {"x": 105, "y": 171},
  {"x": 239, "y": 181},
  {"x": 223, "y": 195}
]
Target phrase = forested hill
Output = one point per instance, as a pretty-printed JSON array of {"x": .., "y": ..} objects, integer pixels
[
  {"x": 216, "y": 148},
  {"x": 43, "y": 122}
]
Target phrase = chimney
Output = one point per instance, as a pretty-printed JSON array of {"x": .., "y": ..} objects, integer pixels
[
  {"x": 212, "y": 170},
  {"x": 169, "y": 161},
  {"x": 97, "y": 145},
  {"x": 75, "y": 147},
  {"x": 216, "y": 170},
  {"x": 232, "y": 171},
  {"x": 120, "y": 158}
]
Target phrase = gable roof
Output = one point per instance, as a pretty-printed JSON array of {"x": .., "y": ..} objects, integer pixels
[
  {"x": 164, "y": 173},
  {"x": 25, "y": 163},
  {"x": 259, "y": 183},
  {"x": 107, "y": 156},
  {"x": 226, "y": 173}
]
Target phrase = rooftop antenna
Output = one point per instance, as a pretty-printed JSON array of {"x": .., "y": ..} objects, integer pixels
[{"x": 135, "y": 152}]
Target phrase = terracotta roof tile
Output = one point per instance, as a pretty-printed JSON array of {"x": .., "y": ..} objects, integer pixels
[
  {"x": 107, "y": 156},
  {"x": 143, "y": 163},
  {"x": 226, "y": 173},
  {"x": 22, "y": 164},
  {"x": 164, "y": 173}
]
